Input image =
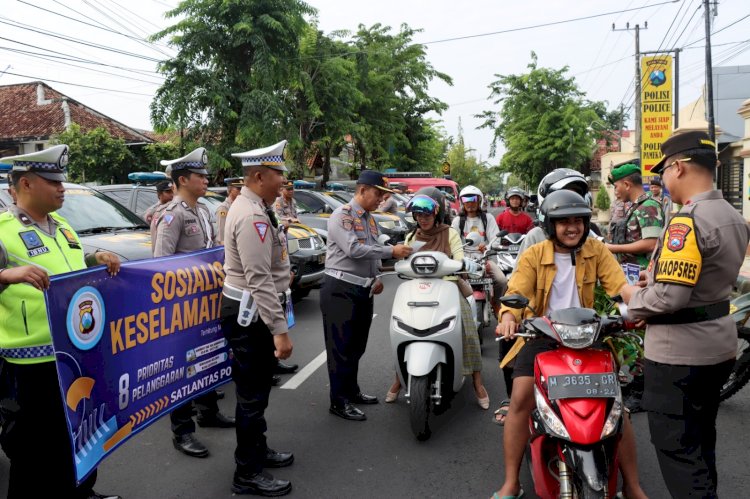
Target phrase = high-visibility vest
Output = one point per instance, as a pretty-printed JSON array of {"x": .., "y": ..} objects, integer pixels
[{"x": 24, "y": 330}]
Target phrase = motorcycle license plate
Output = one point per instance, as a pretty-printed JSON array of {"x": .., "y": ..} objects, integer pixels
[
  {"x": 513, "y": 248},
  {"x": 574, "y": 386},
  {"x": 480, "y": 281}
]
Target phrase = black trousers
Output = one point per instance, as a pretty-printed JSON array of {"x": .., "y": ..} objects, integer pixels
[
  {"x": 683, "y": 402},
  {"x": 35, "y": 435},
  {"x": 347, "y": 315},
  {"x": 182, "y": 417},
  {"x": 253, "y": 364},
  {"x": 504, "y": 348}
]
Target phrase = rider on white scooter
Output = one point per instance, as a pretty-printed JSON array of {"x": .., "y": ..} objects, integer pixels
[
  {"x": 555, "y": 261},
  {"x": 432, "y": 234},
  {"x": 472, "y": 219}
]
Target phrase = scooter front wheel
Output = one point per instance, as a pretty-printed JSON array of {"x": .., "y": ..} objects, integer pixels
[{"x": 419, "y": 407}]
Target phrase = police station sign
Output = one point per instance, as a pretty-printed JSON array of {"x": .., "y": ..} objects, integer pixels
[
  {"x": 131, "y": 348},
  {"x": 656, "y": 112}
]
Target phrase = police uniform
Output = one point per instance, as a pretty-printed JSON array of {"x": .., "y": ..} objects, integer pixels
[
  {"x": 153, "y": 210},
  {"x": 643, "y": 220},
  {"x": 352, "y": 261},
  {"x": 35, "y": 434},
  {"x": 286, "y": 210},
  {"x": 223, "y": 208},
  {"x": 181, "y": 228},
  {"x": 389, "y": 206},
  {"x": 691, "y": 340},
  {"x": 255, "y": 295}
]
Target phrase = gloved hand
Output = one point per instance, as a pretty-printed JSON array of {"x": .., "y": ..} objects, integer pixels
[{"x": 470, "y": 265}]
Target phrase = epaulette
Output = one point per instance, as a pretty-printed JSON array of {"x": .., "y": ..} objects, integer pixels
[
  {"x": 172, "y": 205},
  {"x": 346, "y": 207},
  {"x": 184, "y": 205}
]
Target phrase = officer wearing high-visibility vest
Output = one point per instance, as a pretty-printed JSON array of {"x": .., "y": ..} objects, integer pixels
[{"x": 35, "y": 243}]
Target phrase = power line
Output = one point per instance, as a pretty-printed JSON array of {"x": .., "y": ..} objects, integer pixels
[
  {"x": 38, "y": 78},
  {"x": 718, "y": 30}
]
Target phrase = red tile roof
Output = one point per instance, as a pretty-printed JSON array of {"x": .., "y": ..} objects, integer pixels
[{"x": 23, "y": 117}]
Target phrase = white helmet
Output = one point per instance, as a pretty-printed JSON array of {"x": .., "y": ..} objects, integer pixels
[{"x": 470, "y": 190}]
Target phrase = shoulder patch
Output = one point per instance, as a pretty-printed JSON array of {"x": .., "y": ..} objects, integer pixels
[
  {"x": 262, "y": 229},
  {"x": 168, "y": 218},
  {"x": 680, "y": 260}
]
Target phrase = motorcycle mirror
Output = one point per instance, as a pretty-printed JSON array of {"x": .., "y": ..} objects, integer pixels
[
  {"x": 502, "y": 233},
  {"x": 383, "y": 239},
  {"x": 534, "y": 199},
  {"x": 515, "y": 301},
  {"x": 473, "y": 239}
]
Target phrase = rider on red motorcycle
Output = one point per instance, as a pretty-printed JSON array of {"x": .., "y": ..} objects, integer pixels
[{"x": 556, "y": 262}]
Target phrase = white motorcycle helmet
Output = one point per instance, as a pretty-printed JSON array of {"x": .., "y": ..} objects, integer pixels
[{"x": 470, "y": 190}]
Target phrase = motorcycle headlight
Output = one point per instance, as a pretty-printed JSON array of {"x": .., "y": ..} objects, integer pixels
[
  {"x": 577, "y": 336},
  {"x": 387, "y": 224},
  {"x": 551, "y": 420},
  {"x": 613, "y": 420},
  {"x": 292, "y": 246},
  {"x": 424, "y": 265}
]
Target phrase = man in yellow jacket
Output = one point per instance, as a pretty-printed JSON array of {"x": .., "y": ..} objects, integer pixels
[
  {"x": 558, "y": 273},
  {"x": 36, "y": 242}
]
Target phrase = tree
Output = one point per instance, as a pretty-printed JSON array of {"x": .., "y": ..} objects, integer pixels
[
  {"x": 232, "y": 58},
  {"x": 544, "y": 121},
  {"x": 95, "y": 156}
]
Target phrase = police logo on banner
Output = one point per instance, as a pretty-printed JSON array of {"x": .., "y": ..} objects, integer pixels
[{"x": 85, "y": 319}]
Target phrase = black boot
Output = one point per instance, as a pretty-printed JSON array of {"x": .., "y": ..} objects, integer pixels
[
  {"x": 188, "y": 444},
  {"x": 260, "y": 484}
]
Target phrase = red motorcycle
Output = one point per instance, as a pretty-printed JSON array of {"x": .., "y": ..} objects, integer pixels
[{"x": 577, "y": 424}]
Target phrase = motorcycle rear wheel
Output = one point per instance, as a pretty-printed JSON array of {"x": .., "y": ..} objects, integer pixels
[
  {"x": 741, "y": 372},
  {"x": 419, "y": 407}
]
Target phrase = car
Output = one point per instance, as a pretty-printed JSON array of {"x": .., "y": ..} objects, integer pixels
[
  {"x": 323, "y": 203},
  {"x": 101, "y": 223},
  {"x": 307, "y": 251}
]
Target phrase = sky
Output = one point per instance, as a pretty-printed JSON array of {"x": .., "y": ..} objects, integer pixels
[{"x": 74, "y": 45}]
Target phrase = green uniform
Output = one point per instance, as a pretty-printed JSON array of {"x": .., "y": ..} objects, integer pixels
[{"x": 644, "y": 222}]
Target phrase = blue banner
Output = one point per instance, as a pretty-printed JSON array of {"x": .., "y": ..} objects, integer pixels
[{"x": 133, "y": 347}]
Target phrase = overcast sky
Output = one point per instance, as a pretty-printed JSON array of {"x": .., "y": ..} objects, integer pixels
[{"x": 601, "y": 60}]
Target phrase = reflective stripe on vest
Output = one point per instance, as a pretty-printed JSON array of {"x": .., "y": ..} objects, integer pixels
[{"x": 24, "y": 330}]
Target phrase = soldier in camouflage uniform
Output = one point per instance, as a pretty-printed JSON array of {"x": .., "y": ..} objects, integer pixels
[{"x": 634, "y": 237}]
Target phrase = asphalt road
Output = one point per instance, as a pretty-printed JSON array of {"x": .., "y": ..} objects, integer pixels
[{"x": 377, "y": 458}]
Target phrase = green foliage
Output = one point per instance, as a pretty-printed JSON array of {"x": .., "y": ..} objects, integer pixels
[
  {"x": 543, "y": 120},
  {"x": 602, "y": 198},
  {"x": 95, "y": 156},
  {"x": 151, "y": 154}
]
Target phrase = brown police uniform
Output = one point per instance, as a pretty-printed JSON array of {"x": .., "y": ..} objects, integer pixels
[
  {"x": 691, "y": 339},
  {"x": 286, "y": 210},
  {"x": 182, "y": 229},
  {"x": 221, "y": 219}
]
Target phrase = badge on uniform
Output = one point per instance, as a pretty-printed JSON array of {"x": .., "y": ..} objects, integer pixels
[
  {"x": 70, "y": 237},
  {"x": 33, "y": 243},
  {"x": 168, "y": 219},
  {"x": 262, "y": 229},
  {"x": 346, "y": 222},
  {"x": 676, "y": 234}
]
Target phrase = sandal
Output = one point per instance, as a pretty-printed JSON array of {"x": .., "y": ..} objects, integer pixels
[
  {"x": 501, "y": 411},
  {"x": 517, "y": 496}
]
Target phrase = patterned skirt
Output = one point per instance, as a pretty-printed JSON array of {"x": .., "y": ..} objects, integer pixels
[{"x": 472, "y": 350}]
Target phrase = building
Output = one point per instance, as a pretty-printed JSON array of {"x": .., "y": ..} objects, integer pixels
[{"x": 33, "y": 113}]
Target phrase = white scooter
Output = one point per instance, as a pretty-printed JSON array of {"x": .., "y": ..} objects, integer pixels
[{"x": 426, "y": 335}]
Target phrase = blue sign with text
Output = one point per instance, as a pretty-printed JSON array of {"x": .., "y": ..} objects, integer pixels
[{"x": 131, "y": 348}]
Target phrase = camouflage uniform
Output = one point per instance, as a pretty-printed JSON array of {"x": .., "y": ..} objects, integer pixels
[{"x": 646, "y": 221}]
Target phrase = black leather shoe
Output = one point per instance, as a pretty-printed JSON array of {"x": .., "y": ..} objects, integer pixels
[
  {"x": 260, "y": 484},
  {"x": 284, "y": 368},
  {"x": 217, "y": 420},
  {"x": 361, "y": 398},
  {"x": 348, "y": 411},
  {"x": 188, "y": 444},
  {"x": 277, "y": 459},
  {"x": 94, "y": 495},
  {"x": 275, "y": 380}
]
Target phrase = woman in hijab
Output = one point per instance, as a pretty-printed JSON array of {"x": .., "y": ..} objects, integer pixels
[{"x": 433, "y": 235}]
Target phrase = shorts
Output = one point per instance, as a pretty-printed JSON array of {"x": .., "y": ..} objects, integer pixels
[{"x": 524, "y": 365}]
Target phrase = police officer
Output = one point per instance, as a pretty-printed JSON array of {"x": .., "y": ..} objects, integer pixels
[
  {"x": 634, "y": 237},
  {"x": 352, "y": 261},
  {"x": 655, "y": 188},
  {"x": 35, "y": 243},
  {"x": 234, "y": 184},
  {"x": 285, "y": 205},
  {"x": 184, "y": 226},
  {"x": 691, "y": 340},
  {"x": 165, "y": 193},
  {"x": 388, "y": 205},
  {"x": 255, "y": 296}
]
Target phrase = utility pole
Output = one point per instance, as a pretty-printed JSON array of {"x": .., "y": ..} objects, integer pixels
[
  {"x": 637, "y": 29},
  {"x": 709, "y": 75}
]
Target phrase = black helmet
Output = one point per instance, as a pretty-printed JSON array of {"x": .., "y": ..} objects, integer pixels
[
  {"x": 564, "y": 204},
  {"x": 514, "y": 191},
  {"x": 562, "y": 178},
  {"x": 439, "y": 198}
]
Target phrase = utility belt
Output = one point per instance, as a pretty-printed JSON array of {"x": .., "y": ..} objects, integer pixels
[
  {"x": 364, "y": 282},
  {"x": 690, "y": 315},
  {"x": 248, "y": 311},
  {"x": 27, "y": 352}
]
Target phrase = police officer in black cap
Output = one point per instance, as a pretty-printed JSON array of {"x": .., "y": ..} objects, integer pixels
[
  {"x": 346, "y": 298},
  {"x": 691, "y": 340}
]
